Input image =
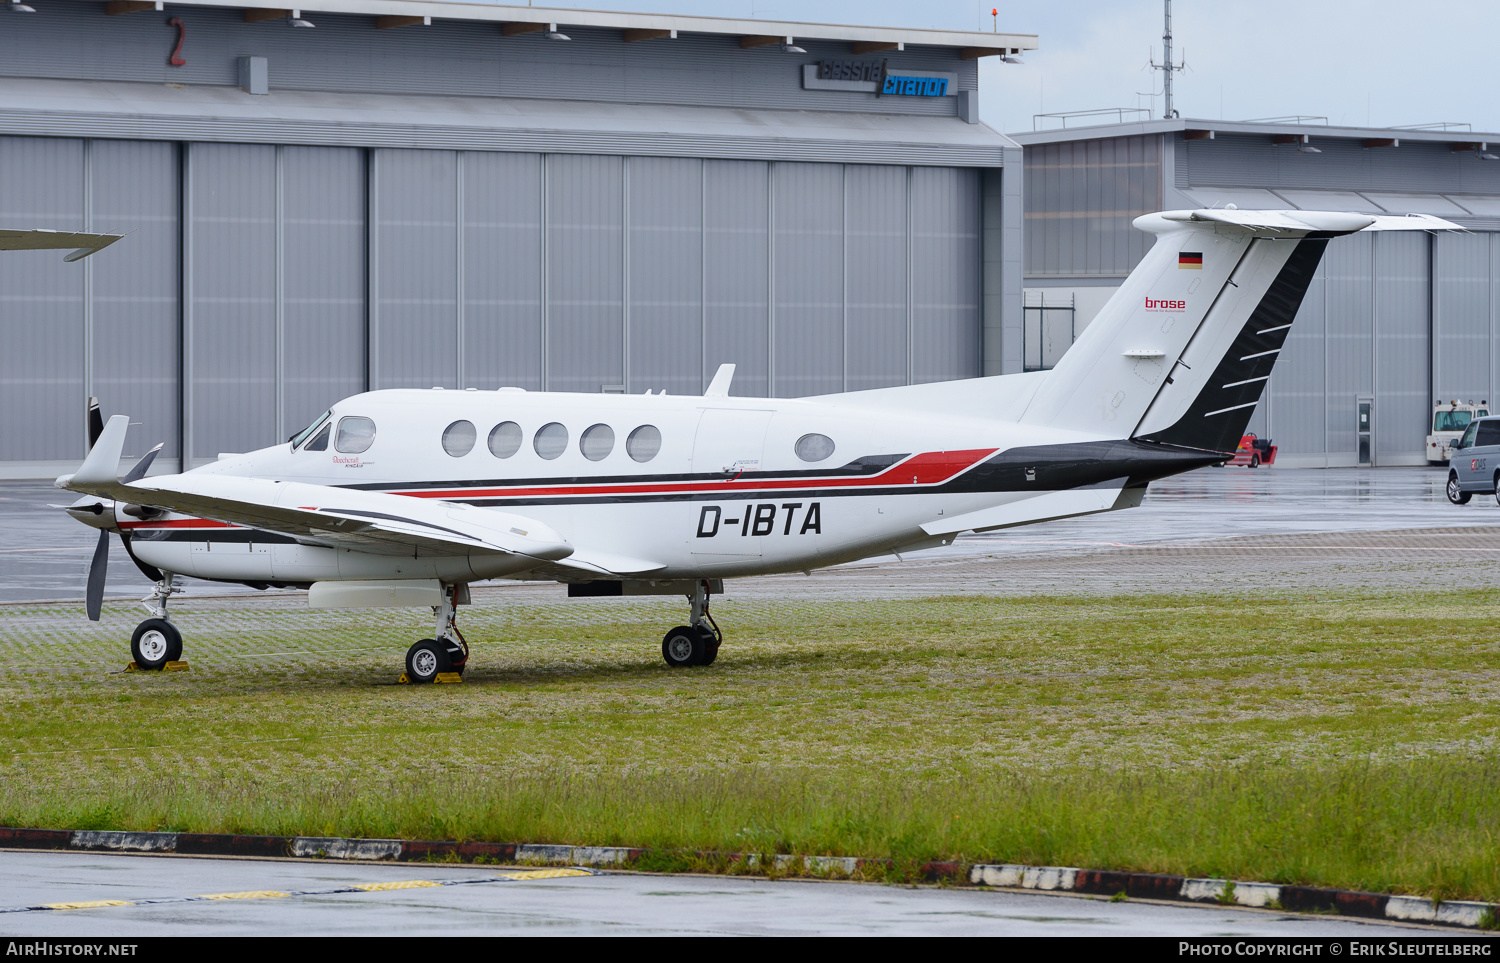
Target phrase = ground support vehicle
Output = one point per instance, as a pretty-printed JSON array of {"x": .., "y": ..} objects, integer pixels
[{"x": 1449, "y": 419}]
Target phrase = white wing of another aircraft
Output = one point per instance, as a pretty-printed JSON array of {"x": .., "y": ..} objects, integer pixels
[{"x": 404, "y": 497}]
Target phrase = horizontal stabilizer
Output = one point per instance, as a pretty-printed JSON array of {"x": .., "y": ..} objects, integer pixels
[
  {"x": 1303, "y": 222},
  {"x": 1038, "y": 508}
]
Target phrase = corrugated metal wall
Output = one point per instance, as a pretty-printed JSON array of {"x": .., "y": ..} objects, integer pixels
[
  {"x": 1362, "y": 331},
  {"x": 1080, "y": 199},
  {"x": 566, "y": 272}
]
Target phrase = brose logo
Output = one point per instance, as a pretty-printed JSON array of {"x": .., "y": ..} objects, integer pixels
[{"x": 1153, "y": 304}]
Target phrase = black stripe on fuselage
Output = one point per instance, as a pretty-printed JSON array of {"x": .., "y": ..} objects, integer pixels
[
  {"x": 227, "y": 536},
  {"x": 1038, "y": 468},
  {"x": 859, "y": 468}
]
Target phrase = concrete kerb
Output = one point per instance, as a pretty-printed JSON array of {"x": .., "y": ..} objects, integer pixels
[{"x": 1462, "y": 913}]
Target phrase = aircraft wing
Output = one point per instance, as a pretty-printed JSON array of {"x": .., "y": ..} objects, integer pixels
[
  {"x": 374, "y": 522},
  {"x": 42, "y": 240}
]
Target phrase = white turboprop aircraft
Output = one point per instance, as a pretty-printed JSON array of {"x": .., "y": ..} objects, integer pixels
[{"x": 404, "y": 497}]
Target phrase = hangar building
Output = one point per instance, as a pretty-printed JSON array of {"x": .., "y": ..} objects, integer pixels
[
  {"x": 1393, "y": 322},
  {"x": 397, "y": 193}
]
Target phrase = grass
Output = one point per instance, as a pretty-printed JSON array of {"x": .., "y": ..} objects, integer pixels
[{"x": 1345, "y": 741}]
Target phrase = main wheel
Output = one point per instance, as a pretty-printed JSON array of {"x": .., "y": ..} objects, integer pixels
[
  {"x": 710, "y": 649},
  {"x": 155, "y": 643},
  {"x": 1456, "y": 495},
  {"x": 425, "y": 660},
  {"x": 684, "y": 646}
]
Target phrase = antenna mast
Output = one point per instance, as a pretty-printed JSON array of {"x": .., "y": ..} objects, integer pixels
[{"x": 1167, "y": 67}]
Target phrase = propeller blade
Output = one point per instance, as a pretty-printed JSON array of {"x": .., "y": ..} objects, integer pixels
[
  {"x": 139, "y": 471},
  {"x": 97, "y": 569},
  {"x": 96, "y": 422}
]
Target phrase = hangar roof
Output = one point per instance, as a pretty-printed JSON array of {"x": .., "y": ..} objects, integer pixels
[
  {"x": 1197, "y": 129},
  {"x": 633, "y": 27}
]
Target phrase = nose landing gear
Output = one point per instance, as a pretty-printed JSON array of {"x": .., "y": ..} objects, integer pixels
[
  {"x": 156, "y": 641},
  {"x": 446, "y": 655},
  {"x": 697, "y": 643}
]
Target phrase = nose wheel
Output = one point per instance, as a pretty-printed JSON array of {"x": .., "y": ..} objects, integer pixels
[
  {"x": 698, "y": 643},
  {"x": 156, "y": 641}
]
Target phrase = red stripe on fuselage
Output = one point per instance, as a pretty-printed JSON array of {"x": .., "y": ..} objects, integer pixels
[
  {"x": 929, "y": 468},
  {"x": 179, "y": 523}
]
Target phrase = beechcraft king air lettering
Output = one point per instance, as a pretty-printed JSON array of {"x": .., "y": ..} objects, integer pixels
[{"x": 404, "y": 497}]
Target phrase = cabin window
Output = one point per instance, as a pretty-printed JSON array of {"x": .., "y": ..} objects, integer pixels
[
  {"x": 550, "y": 441},
  {"x": 814, "y": 447},
  {"x": 596, "y": 442},
  {"x": 320, "y": 440},
  {"x": 505, "y": 439},
  {"x": 643, "y": 443},
  {"x": 356, "y": 434},
  {"x": 458, "y": 438}
]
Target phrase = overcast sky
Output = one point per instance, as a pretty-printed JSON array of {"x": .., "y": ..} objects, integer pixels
[{"x": 1358, "y": 62}]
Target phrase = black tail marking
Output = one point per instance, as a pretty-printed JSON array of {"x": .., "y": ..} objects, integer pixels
[{"x": 1218, "y": 416}]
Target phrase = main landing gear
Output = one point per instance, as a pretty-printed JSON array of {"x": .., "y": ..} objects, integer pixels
[
  {"x": 429, "y": 659},
  {"x": 698, "y": 642},
  {"x": 156, "y": 641}
]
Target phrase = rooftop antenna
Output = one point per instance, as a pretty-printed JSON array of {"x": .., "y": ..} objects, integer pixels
[{"x": 1167, "y": 67}]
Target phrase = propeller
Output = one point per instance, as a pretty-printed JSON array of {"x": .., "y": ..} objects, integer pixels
[{"x": 100, "y": 513}]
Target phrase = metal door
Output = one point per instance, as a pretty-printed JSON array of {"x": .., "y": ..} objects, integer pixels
[{"x": 1363, "y": 431}]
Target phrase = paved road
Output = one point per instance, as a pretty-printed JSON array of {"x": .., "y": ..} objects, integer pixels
[
  {"x": 611, "y": 904},
  {"x": 44, "y": 554}
]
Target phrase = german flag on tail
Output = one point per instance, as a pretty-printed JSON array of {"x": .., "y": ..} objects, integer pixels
[{"x": 1189, "y": 259}]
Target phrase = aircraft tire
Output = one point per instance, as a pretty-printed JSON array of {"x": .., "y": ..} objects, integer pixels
[
  {"x": 684, "y": 646},
  {"x": 155, "y": 643},
  {"x": 425, "y": 660}
]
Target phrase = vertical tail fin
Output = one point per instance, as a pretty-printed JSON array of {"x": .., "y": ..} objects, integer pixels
[{"x": 1182, "y": 351}]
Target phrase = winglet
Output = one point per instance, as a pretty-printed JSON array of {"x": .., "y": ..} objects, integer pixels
[
  {"x": 103, "y": 462},
  {"x": 719, "y": 387}
]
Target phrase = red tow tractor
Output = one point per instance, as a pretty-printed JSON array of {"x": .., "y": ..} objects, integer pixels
[{"x": 1254, "y": 452}]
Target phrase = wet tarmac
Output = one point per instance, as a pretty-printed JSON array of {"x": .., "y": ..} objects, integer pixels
[{"x": 612, "y": 904}]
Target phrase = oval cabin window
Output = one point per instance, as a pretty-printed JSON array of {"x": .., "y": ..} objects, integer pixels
[
  {"x": 550, "y": 441},
  {"x": 596, "y": 442},
  {"x": 356, "y": 434},
  {"x": 505, "y": 439},
  {"x": 458, "y": 438},
  {"x": 643, "y": 443},
  {"x": 814, "y": 447}
]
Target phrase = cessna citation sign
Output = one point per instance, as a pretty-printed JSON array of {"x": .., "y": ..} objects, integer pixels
[{"x": 404, "y": 497}]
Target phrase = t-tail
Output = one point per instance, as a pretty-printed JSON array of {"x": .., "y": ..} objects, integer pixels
[{"x": 1181, "y": 353}]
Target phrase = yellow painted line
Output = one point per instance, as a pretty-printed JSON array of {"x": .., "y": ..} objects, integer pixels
[
  {"x": 89, "y": 904},
  {"x": 545, "y": 874},
  {"x": 404, "y": 884},
  {"x": 248, "y": 894}
]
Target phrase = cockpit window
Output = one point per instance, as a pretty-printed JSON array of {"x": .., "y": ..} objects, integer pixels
[
  {"x": 302, "y": 435},
  {"x": 320, "y": 440},
  {"x": 356, "y": 434}
]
